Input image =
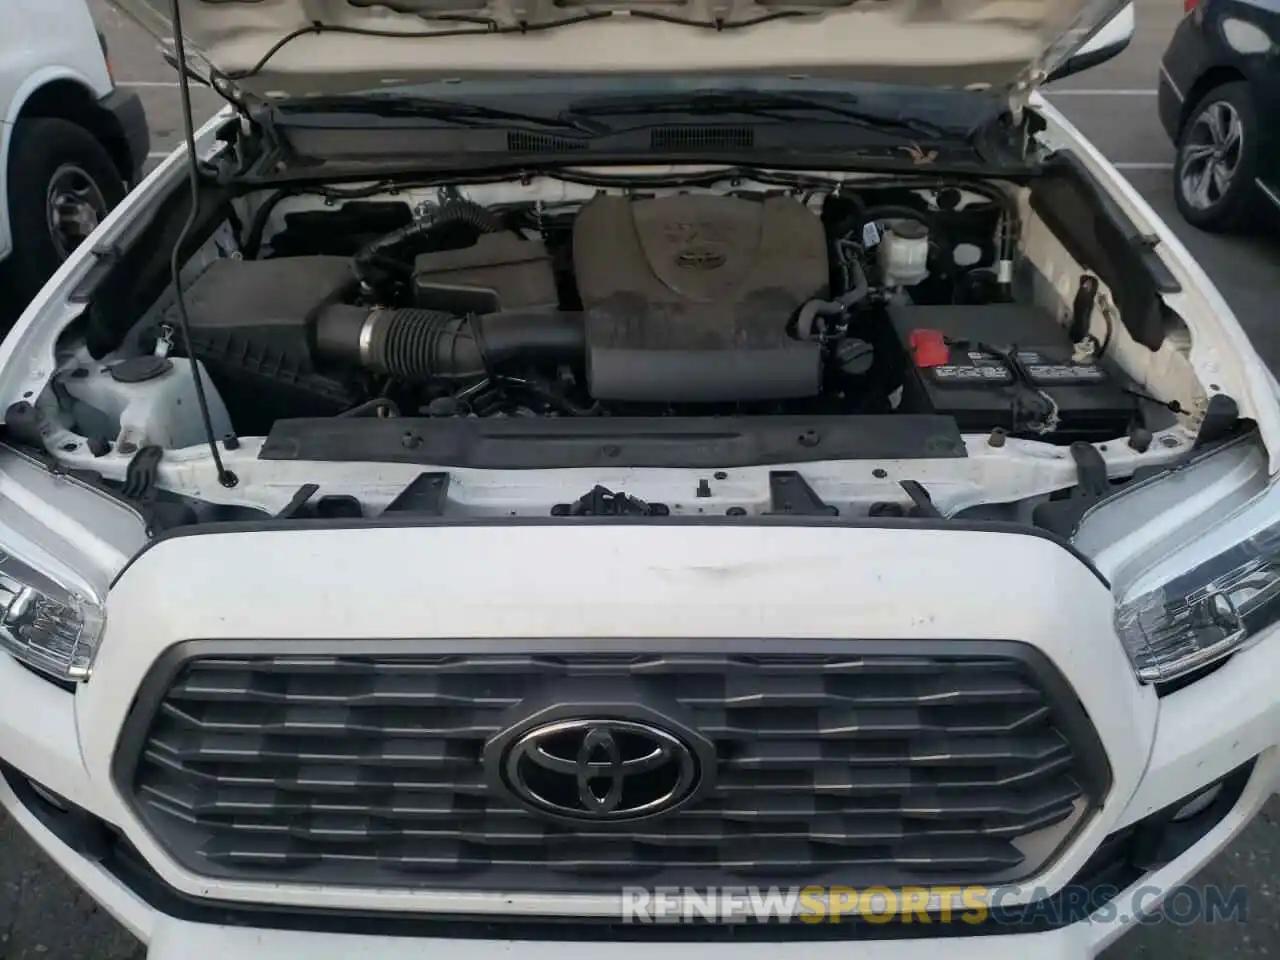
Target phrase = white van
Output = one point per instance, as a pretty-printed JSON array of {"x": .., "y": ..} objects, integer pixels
[{"x": 72, "y": 142}]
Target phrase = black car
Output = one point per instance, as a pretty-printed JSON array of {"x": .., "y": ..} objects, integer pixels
[{"x": 1220, "y": 102}]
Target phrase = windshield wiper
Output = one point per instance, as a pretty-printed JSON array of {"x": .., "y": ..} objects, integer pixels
[
  {"x": 778, "y": 106},
  {"x": 445, "y": 111}
]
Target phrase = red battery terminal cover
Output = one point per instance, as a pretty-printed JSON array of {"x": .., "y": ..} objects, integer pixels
[{"x": 929, "y": 348}]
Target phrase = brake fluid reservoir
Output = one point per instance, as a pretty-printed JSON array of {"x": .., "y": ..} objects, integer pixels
[{"x": 903, "y": 253}]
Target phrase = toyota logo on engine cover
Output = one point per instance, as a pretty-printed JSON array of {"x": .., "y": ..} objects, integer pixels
[
  {"x": 706, "y": 256},
  {"x": 599, "y": 769}
]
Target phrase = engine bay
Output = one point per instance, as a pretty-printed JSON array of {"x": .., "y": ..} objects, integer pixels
[
  {"x": 692, "y": 304},
  {"x": 695, "y": 343}
]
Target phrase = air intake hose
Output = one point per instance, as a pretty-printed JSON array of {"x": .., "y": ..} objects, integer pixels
[
  {"x": 426, "y": 344},
  {"x": 456, "y": 214}
]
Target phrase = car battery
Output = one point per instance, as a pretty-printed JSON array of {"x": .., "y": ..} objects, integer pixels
[{"x": 1006, "y": 365}]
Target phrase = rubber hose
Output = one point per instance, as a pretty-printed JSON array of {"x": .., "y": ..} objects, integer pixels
[
  {"x": 812, "y": 309},
  {"x": 415, "y": 344},
  {"x": 467, "y": 211},
  {"x": 252, "y": 243},
  {"x": 453, "y": 213}
]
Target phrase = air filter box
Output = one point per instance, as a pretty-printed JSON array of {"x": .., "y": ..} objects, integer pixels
[{"x": 250, "y": 322}]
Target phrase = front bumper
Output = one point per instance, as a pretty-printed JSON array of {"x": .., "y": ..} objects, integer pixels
[
  {"x": 130, "y": 118},
  {"x": 172, "y": 934},
  {"x": 650, "y": 582}
]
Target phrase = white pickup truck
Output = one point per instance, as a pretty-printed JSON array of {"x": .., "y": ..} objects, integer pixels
[{"x": 554, "y": 480}]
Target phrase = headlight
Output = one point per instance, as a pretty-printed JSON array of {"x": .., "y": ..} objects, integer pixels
[
  {"x": 1209, "y": 593},
  {"x": 1206, "y": 613},
  {"x": 46, "y": 620}
]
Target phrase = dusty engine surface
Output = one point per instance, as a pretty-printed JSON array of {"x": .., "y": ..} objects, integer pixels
[
  {"x": 687, "y": 298},
  {"x": 500, "y": 271},
  {"x": 690, "y": 304}
]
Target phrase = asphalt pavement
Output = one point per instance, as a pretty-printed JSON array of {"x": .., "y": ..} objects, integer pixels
[{"x": 42, "y": 915}]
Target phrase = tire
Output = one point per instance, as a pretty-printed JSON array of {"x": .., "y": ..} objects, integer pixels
[
  {"x": 49, "y": 154},
  {"x": 1217, "y": 161}
]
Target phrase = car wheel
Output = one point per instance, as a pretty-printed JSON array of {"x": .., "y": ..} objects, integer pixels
[
  {"x": 1217, "y": 156},
  {"x": 62, "y": 182}
]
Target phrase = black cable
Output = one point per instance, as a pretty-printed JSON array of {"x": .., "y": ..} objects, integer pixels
[
  {"x": 1173, "y": 406},
  {"x": 253, "y": 241},
  {"x": 225, "y": 476},
  {"x": 479, "y": 26},
  {"x": 1023, "y": 383},
  {"x": 1029, "y": 384},
  {"x": 719, "y": 24}
]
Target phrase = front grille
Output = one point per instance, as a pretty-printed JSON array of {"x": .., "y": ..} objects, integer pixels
[{"x": 845, "y": 763}]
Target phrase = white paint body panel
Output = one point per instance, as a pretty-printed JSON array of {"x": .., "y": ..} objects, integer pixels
[
  {"x": 1221, "y": 350},
  {"x": 1116, "y": 32},
  {"x": 628, "y": 582}
]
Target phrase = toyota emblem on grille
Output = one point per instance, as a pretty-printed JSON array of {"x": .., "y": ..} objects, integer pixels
[{"x": 599, "y": 769}]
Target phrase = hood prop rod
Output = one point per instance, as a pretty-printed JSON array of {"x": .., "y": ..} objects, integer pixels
[{"x": 225, "y": 476}]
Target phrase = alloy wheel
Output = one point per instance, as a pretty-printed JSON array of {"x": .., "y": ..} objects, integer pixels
[{"x": 1211, "y": 153}]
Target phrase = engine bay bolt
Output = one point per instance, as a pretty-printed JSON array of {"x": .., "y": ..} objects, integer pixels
[
  {"x": 1169, "y": 441},
  {"x": 809, "y": 438},
  {"x": 231, "y": 441},
  {"x": 736, "y": 512},
  {"x": 1140, "y": 439},
  {"x": 880, "y": 473},
  {"x": 410, "y": 440},
  {"x": 997, "y": 438},
  {"x": 720, "y": 475}
]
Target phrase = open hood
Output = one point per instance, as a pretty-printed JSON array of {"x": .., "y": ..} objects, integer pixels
[{"x": 289, "y": 48}]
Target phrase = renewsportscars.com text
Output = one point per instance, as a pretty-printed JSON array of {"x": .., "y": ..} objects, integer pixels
[{"x": 933, "y": 905}]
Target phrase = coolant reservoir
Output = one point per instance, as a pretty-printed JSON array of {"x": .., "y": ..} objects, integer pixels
[{"x": 903, "y": 253}]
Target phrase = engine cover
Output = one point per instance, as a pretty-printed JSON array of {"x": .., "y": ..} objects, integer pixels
[{"x": 687, "y": 298}]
